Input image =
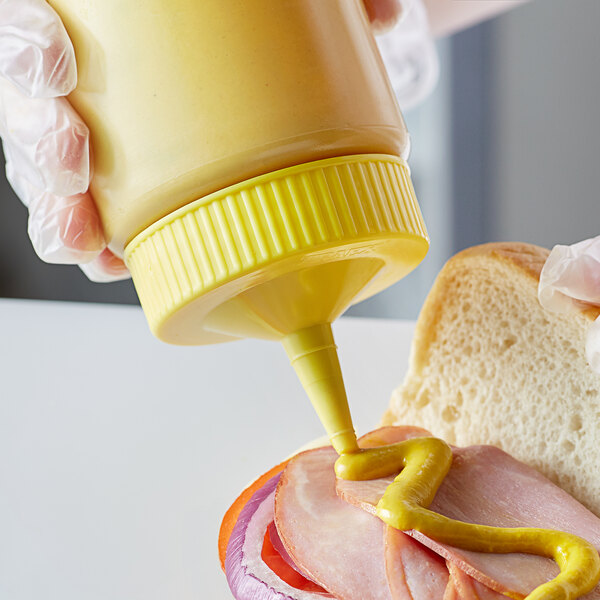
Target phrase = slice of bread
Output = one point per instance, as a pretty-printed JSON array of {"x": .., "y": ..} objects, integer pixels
[{"x": 490, "y": 366}]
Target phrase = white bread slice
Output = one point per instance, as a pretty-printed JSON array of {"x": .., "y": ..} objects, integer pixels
[{"x": 490, "y": 366}]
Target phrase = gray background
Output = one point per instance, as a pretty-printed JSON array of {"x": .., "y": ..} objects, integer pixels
[{"x": 506, "y": 148}]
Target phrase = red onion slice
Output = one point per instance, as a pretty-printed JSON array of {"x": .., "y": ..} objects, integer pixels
[{"x": 248, "y": 576}]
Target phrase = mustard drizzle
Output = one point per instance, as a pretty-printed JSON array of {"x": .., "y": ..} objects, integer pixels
[{"x": 423, "y": 464}]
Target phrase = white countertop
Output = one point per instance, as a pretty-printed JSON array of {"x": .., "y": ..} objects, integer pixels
[{"x": 119, "y": 454}]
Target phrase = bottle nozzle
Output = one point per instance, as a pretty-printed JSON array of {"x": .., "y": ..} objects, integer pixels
[{"x": 313, "y": 354}]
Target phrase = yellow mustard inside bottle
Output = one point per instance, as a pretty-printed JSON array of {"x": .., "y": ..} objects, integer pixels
[
  {"x": 422, "y": 464},
  {"x": 250, "y": 167}
]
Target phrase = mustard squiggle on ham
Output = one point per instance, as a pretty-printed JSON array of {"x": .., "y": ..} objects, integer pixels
[{"x": 422, "y": 464}]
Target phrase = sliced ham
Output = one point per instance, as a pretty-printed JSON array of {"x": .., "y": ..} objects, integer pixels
[
  {"x": 278, "y": 560},
  {"x": 414, "y": 572},
  {"x": 281, "y": 551},
  {"x": 391, "y": 435},
  {"x": 467, "y": 588},
  {"x": 338, "y": 545},
  {"x": 489, "y": 487},
  {"x": 451, "y": 593}
]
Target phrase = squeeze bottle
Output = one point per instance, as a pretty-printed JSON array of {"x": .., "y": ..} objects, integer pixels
[{"x": 250, "y": 166}]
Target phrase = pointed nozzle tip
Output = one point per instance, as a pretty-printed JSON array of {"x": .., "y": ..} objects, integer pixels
[{"x": 313, "y": 354}]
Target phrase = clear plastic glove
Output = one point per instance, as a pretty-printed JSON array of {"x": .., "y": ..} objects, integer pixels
[
  {"x": 569, "y": 281},
  {"x": 409, "y": 54},
  {"x": 46, "y": 144}
]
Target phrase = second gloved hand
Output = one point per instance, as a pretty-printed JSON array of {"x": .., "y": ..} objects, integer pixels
[{"x": 570, "y": 280}]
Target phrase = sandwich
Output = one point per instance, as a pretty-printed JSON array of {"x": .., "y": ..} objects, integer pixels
[{"x": 506, "y": 384}]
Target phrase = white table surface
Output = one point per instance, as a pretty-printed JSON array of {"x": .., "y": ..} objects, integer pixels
[{"x": 119, "y": 454}]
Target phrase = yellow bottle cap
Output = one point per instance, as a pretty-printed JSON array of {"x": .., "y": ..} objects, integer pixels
[
  {"x": 279, "y": 252},
  {"x": 280, "y": 256}
]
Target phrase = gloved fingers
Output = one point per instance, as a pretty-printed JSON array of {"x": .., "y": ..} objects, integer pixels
[
  {"x": 570, "y": 280},
  {"x": 105, "y": 268},
  {"x": 36, "y": 54},
  {"x": 46, "y": 140},
  {"x": 65, "y": 230},
  {"x": 384, "y": 14},
  {"x": 69, "y": 231},
  {"x": 410, "y": 56},
  {"x": 571, "y": 276}
]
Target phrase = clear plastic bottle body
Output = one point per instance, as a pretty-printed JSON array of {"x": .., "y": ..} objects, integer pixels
[{"x": 184, "y": 98}]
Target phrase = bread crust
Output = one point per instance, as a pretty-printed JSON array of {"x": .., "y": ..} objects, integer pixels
[{"x": 528, "y": 259}]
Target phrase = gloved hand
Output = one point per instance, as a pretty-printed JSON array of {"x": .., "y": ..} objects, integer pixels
[
  {"x": 46, "y": 144},
  {"x": 569, "y": 281},
  {"x": 409, "y": 52}
]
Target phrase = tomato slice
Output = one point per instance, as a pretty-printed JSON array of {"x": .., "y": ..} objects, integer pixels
[
  {"x": 284, "y": 571},
  {"x": 232, "y": 514}
]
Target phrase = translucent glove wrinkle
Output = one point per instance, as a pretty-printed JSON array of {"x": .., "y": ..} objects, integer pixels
[
  {"x": 49, "y": 143},
  {"x": 65, "y": 230},
  {"x": 410, "y": 56},
  {"x": 105, "y": 268},
  {"x": 36, "y": 54},
  {"x": 571, "y": 275},
  {"x": 569, "y": 281}
]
